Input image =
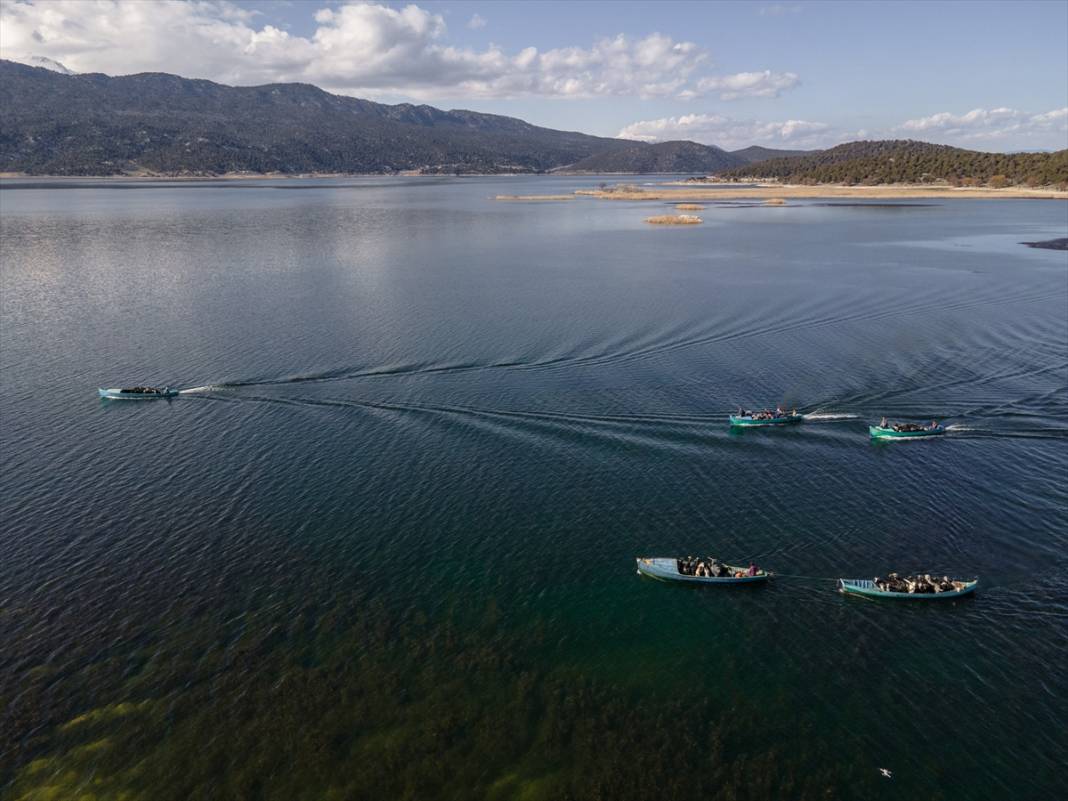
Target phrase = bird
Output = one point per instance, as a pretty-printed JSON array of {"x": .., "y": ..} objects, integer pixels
[{"x": 886, "y": 773}]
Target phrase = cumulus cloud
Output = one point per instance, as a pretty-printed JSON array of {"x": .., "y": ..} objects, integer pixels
[
  {"x": 748, "y": 84},
  {"x": 980, "y": 124},
  {"x": 730, "y": 133},
  {"x": 998, "y": 128},
  {"x": 477, "y": 21},
  {"x": 356, "y": 48}
]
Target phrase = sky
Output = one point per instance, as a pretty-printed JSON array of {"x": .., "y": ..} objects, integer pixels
[{"x": 983, "y": 75}]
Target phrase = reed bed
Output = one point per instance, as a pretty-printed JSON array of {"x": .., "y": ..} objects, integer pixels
[{"x": 690, "y": 207}]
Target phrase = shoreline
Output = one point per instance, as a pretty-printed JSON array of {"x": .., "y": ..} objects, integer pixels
[
  {"x": 680, "y": 191},
  {"x": 785, "y": 191}
]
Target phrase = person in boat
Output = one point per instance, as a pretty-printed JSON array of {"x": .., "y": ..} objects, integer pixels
[
  {"x": 883, "y": 423},
  {"x": 752, "y": 569},
  {"x": 779, "y": 412},
  {"x": 934, "y": 425},
  {"x": 894, "y": 583}
]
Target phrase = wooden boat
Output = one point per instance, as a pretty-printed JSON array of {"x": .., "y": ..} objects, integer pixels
[
  {"x": 889, "y": 432},
  {"x": 747, "y": 420},
  {"x": 667, "y": 569},
  {"x": 137, "y": 393},
  {"x": 867, "y": 587}
]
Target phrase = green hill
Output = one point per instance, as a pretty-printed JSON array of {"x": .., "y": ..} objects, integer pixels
[
  {"x": 756, "y": 153},
  {"x": 907, "y": 161}
]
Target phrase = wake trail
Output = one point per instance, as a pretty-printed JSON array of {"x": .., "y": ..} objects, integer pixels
[{"x": 829, "y": 417}]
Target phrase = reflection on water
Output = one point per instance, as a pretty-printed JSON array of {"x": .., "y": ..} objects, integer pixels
[{"x": 384, "y": 545}]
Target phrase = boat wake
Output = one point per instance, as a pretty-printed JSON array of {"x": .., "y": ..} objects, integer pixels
[
  {"x": 1008, "y": 433},
  {"x": 194, "y": 390},
  {"x": 829, "y": 417}
]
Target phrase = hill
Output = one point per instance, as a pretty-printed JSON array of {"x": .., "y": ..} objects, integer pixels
[
  {"x": 684, "y": 157},
  {"x": 93, "y": 124},
  {"x": 907, "y": 161},
  {"x": 756, "y": 153}
]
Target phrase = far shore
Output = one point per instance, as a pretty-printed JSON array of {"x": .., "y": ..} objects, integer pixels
[
  {"x": 888, "y": 191},
  {"x": 664, "y": 191}
]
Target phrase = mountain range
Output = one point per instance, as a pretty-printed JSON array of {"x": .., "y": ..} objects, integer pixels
[{"x": 56, "y": 123}]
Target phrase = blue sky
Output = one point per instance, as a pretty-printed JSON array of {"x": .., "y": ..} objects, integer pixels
[{"x": 986, "y": 75}]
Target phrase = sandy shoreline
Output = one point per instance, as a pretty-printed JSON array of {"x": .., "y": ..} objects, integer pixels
[
  {"x": 892, "y": 191},
  {"x": 678, "y": 191}
]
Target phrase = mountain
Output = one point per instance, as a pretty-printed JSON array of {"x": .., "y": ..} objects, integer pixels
[
  {"x": 687, "y": 157},
  {"x": 49, "y": 64},
  {"x": 907, "y": 161},
  {"x": 93, "y": 124},
  {"x": 755, "y": 153}
]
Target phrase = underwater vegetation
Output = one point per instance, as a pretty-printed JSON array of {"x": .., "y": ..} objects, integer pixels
[{"x": 270, "y": 693}]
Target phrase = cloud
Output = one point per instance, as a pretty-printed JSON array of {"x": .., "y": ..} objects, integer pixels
[
  {"x": 748, "y": 84},
  {"x": 730, "y": 133},
  {"x": 477, "y": 21},
  {"x": 1001, "y": 123},
  {"x": 359, "y": 48}
]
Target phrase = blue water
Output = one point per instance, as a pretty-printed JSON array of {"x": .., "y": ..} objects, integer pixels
[{"x": 384, "y": 547}]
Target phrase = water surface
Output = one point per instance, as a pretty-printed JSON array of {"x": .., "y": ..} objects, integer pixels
[{"x": 385, "y": 548}]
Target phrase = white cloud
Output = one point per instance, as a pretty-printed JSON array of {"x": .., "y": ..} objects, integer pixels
[
  {"x": 1057, "y": 115},
  {"x": 748, "y": 84},
  {"x": 357, "y": 48},
  {"x": 730, "y": 133},
  {"x": 477, "y": 21},
  {"x": 1003, "y": 124}
]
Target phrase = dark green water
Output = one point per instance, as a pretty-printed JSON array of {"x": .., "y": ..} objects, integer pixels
[{"x": 386, "y": 549}]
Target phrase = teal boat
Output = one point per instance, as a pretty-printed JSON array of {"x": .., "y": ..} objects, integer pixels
[
  {"x": 667, "y": 569},
  {"x": 137, "y": 393},
  {"x": 748, "y": 420},
  {"x": 894, "y": 432},
  {"x": 867, "y": 587}
]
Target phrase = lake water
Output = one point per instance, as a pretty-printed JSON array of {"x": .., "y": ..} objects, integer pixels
[{"x": 386, "y": 548}]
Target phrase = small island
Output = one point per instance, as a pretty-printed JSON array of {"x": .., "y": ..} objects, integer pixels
[{"x": 674, "y": 219}]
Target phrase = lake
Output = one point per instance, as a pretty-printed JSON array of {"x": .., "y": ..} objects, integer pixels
[{"x": 385, "y": 547}]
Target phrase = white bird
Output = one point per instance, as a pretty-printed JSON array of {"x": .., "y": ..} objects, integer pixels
[{"x": 886, "y": 773}]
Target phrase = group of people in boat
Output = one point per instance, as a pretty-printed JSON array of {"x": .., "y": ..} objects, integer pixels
[
  {"x": 712, "y": 568},
  {"x": 917, "y": 583},
  {"x": 142, "y": 390},
  {"x": 766, "y": 414},
  {"x": 884, "y": 423}
]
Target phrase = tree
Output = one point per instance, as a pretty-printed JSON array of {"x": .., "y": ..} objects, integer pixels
[{"x": 999, "y": 181}]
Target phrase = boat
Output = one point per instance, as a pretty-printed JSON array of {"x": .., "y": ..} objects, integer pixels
[
  {"x": 867, "y": 587},
  {"x": 667, "y": 569},
  {"x": 137, "y": 393},
  {"x": 747, "y": 420},
  {"x": 892, "y": 432}
]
